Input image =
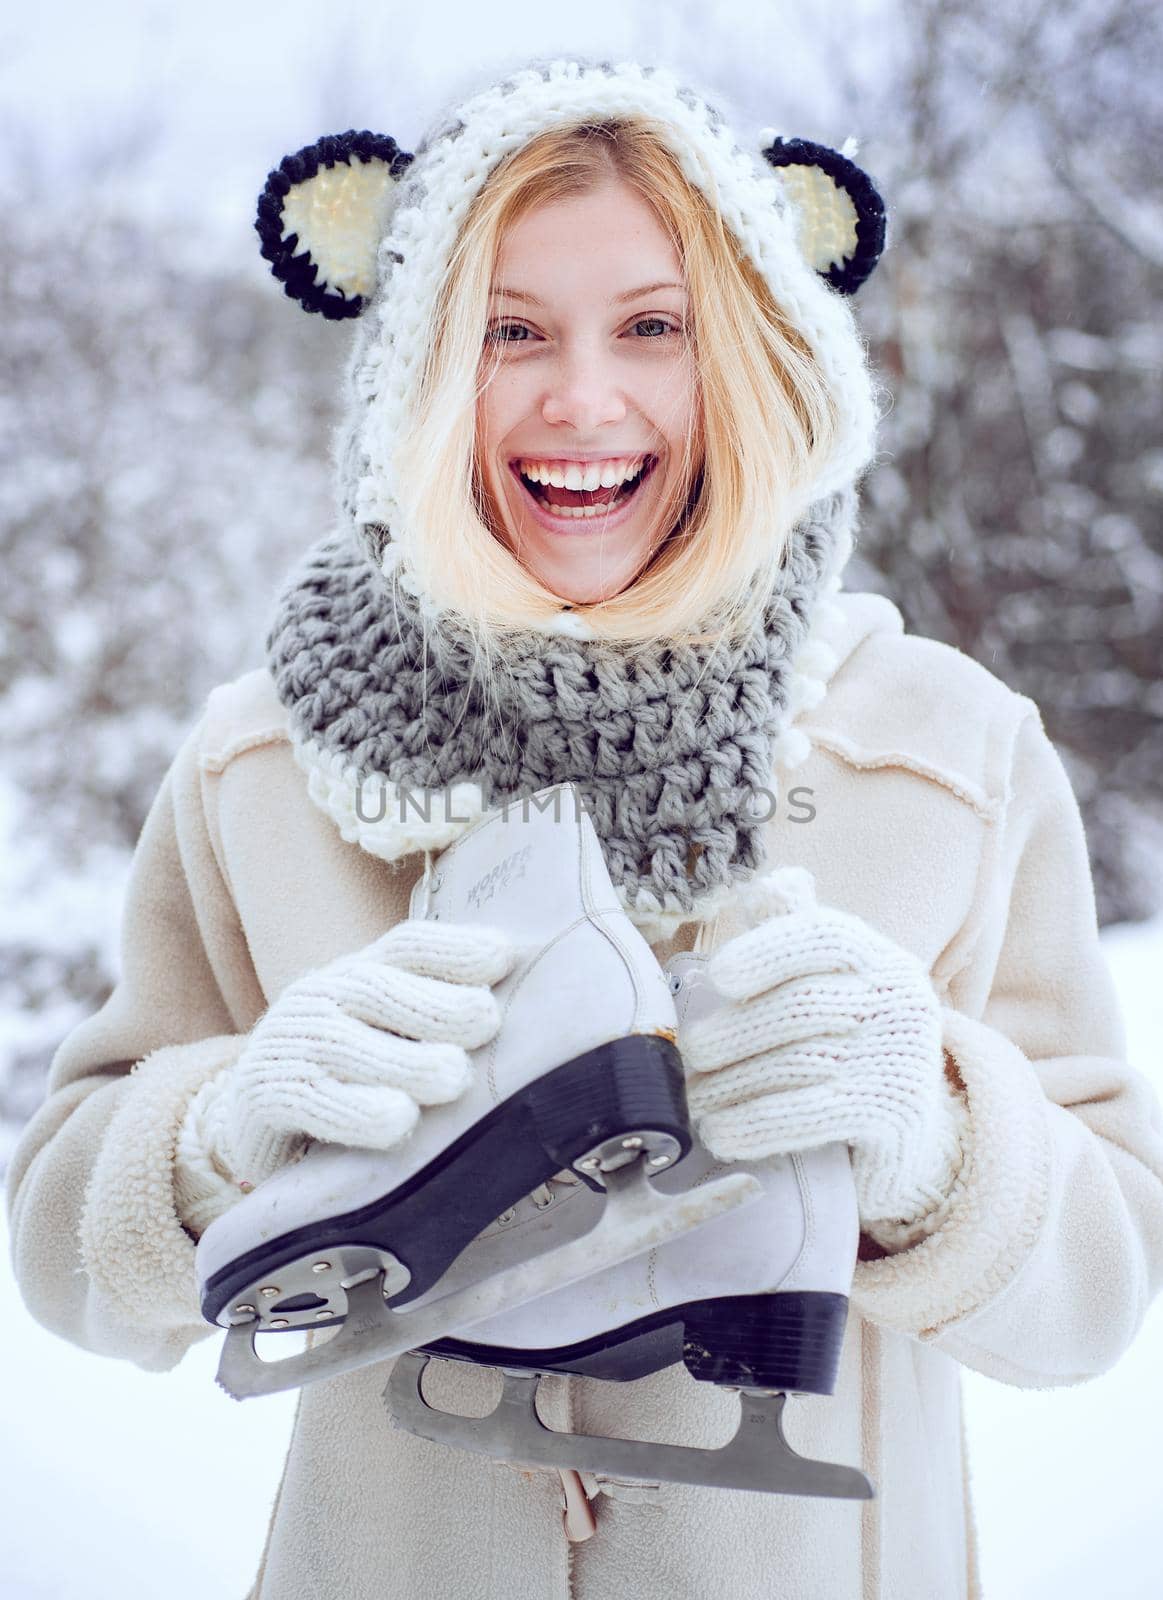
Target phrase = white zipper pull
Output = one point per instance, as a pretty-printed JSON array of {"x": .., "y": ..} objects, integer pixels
[{"x": 577, "y": 1514}]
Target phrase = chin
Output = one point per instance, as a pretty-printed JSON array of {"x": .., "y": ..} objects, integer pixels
[
  {"x": 577, "y": 576},
  {"x": 583, "y": 588}
]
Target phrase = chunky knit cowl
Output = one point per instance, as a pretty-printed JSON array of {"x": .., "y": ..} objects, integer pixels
[{"x": 676, "y": 750}]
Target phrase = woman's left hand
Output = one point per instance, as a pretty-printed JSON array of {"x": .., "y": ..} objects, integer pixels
[{"x": 830, "y": 1032}]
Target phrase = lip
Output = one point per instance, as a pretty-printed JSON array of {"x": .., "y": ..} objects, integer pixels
[
  {"x": 583, "y": 526},
  {"x": 580, "y": 455}
]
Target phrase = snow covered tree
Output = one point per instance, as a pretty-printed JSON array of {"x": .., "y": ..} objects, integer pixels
[
  {"x": 1015, "y": 511},
  {"x": 166, "y": 432}
]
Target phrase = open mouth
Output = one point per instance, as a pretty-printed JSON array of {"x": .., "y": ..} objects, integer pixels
[{"x": 584, "y": 504}]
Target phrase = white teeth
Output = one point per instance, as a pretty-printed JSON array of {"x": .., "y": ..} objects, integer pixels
[
  {"x": 590, "y": 475},
  {"x": 578, "y": 511}
]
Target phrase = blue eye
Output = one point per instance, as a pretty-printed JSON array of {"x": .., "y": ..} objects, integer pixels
[
  {"x": 494, "y": 334},
  {"x": 657, "y": 322}
]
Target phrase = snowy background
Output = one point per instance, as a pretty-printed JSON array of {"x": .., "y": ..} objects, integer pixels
[{"x": 164, "y": 425}]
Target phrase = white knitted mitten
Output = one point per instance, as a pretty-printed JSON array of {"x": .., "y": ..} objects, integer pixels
[
  {"x": 831, "y": 1032},
  {"x": 347, "y": 1054}
]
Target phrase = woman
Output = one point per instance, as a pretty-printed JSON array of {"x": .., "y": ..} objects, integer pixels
[{"x": 582, "y": 270}]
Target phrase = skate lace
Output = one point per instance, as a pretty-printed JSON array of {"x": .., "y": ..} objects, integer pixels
[{"x": 543, "y": 1196}]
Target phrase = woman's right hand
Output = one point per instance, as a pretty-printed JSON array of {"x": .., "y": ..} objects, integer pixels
[{"x": 349, "y": 1053}]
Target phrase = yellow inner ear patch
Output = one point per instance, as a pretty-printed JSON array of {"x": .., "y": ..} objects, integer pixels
[
  {"x": 827, "y": 216},
  {"x": 339, "y": 216}
]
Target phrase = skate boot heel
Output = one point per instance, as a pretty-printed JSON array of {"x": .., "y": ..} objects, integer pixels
[
  {"x": 617, "y": 1103},
  {"x": 788, "y": 1342}
]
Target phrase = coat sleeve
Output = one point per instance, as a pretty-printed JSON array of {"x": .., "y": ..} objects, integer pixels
[
  {"x": 98, "y": 1249},
  {"x": 1039, "y": 1268}
]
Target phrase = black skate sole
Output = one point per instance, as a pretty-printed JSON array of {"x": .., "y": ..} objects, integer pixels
[
  {"x": 788, "y": 1342},
  {"x": 631, "y": 1085}
]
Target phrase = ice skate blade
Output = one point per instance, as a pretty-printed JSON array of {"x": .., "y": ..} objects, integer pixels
[
  {"x": 758, "y": 1457},
  {"x": 635, "y": 1218}
]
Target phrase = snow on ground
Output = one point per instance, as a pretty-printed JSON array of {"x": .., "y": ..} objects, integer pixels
[
  {"x": 117, "y": 1483},
  {"x": 1067, "y": 1483}
]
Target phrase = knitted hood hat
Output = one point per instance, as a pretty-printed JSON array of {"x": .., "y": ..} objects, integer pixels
[{"x": 357, "y": 227}]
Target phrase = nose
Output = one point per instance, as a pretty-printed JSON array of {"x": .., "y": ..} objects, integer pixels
[{"x": 583, "y": 392}]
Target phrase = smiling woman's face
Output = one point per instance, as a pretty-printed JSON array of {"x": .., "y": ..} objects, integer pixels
[{"x": 589, "y": 392}]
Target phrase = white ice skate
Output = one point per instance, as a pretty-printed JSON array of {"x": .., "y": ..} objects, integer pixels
[
  {"x": 758, "y": 1303},
  {"x": 584, "y": 1075}
]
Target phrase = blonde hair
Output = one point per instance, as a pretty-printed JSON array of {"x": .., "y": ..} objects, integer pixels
[{"x": 769, "y": 418}]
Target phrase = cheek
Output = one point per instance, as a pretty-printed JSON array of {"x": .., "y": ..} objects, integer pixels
[
  {"x": 677, "y": 409},
  {"x": 486, "y": 428},
  {"x": 500, "y": 408}
]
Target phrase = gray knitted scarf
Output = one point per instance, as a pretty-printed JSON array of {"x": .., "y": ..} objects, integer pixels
[{"x": 670, "y": 747}]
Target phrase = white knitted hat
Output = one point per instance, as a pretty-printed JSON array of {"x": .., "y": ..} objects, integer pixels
[{"x": 355, "y": 226}]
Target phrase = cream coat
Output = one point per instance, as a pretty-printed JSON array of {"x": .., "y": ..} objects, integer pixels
[{"x": 945, "y": 818}]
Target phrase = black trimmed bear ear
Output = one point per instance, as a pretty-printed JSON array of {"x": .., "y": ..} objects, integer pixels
[
  {"x": 321, "y": 217},
  {"x": 841, "y": 214}
]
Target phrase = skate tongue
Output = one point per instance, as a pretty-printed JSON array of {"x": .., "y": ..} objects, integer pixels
[{"x": 637, "y": 1217}]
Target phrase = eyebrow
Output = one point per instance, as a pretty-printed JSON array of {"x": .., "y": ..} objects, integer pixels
[{"x": 619, "y": 299}]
